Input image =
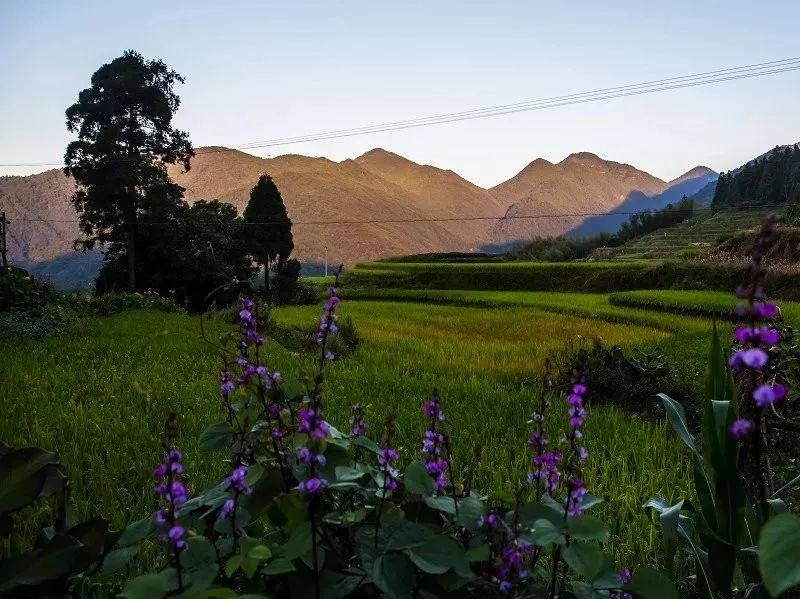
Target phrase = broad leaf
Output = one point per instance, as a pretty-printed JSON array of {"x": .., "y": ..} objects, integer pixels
[
  {"x": 779, "y": 553},
  {"x": 649, "y": 583},
  {"x": 217, "y": 436},
  {"x": 394, "y": 575},
  {"x": 119, "y": 558},
  {"x": 417, "y": 480},
  {"x": 585, "y": 559},
  {"x": 587, "y": 528}
]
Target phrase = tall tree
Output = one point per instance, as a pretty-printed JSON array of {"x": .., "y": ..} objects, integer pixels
[
  {"x": 268, "y": 229},
  {"x": 125, "y": 140}
]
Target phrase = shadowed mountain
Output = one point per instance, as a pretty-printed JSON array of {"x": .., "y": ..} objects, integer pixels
[
  {"x": 687, "y": 184},
  {"x": 541, "y": 194}
]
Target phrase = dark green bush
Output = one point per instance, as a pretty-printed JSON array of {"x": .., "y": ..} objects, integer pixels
[
  {"x": 52, "y": 319},
  {"x": 20, "y": 292},
  {"x": 114, "y": 303},
  {"x": 627, "y": 381}
]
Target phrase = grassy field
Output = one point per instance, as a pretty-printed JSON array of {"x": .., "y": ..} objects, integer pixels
[{"x": 100, "y": 395}]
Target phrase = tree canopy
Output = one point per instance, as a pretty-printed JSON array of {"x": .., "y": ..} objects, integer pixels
[
  {"x": 185, "y": 252},
  {"x": 125, "y": 140},
  {"x": 268, "y": 229},
  {"x": 768, "y": 181}
]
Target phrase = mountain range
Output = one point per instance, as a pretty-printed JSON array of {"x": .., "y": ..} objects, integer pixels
[{"x": 341, "y": 209}]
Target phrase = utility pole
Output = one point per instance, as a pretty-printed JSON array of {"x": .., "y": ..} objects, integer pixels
[{"x": 3, "y": 246}]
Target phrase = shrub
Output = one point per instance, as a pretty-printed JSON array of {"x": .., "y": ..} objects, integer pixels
[
  {"x": 109, "y": 304},
  {"x": 52, "y": 319},
  {"x": 20, "y": 292},
  {"x": 629, "y": 382}
]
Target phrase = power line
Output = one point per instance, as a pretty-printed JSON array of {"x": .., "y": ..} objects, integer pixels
[
  {"x": 429, "y": 220},
  {"x": 683, "y": 81}
]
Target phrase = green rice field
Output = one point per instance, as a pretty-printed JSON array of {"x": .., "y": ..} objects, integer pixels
[{"x": 99, "y": 395}]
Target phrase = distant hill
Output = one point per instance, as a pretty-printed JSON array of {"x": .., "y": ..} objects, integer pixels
[
  {"x": 687, "y": 184},
  {"x": 376, "y": 186},
  {"x": 581, "y": 183}
]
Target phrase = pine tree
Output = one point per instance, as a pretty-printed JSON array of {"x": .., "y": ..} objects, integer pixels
[{"x": 268, "y": 229}]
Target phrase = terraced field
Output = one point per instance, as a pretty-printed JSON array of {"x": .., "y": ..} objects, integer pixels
[{"x": 691, "y": 236}]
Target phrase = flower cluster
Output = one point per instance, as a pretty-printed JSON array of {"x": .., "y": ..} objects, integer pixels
[
  {"x": 174, "y": 493},
  {"x": 247, "y": 319},
  {"x": 511, "y": 568},
  {"x": 624, "y": 578},
  {"x": 238, "y": 484},
  {"x": 576, "y": 412},
  {"x": 328, "y": 321},
  {"x": 317, "y": 429},
  {"x": 545, "y": 468},
  {"x": 386, "y": 458},
  {"x": 358, "y": 424},
  {"x": 434, "y": 443},
  {"x": 755, "y": 339}
]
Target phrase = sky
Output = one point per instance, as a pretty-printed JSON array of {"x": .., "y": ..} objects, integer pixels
[{"x": 265, "y": 70}]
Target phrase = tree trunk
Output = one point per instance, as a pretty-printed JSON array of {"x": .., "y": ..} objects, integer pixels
[
  {"x": 132, "y": 262},
  {"x": 266, "y": 277}
]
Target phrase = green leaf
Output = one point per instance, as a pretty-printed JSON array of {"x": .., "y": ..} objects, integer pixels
[
  {"x": 443, "y": 503},
  {"x": 545, "y": 532},
  {"x": 585, "y": 559},
  {"x": 587, "y": 528},
  {"x": 233, "y": 564},
  {"x": 217, "y": 436},
  {"x": 677, "y": 418},
  {"x": 478, "y": 554},
  {"x": 137, "y": 531},
  {"x": 260, "y": 552},
  {"x": 417, "y": 480},
  {"x": 278, "y": 566},
  {"x": 649, "y": 583},
  {"x": 118, "y": 558},
  {"x": 531, "y": 512},
  {"x": 585, "y": 590},
  {"x": 53, "y": 561},
  {"x": 393, "y": 573},
  {"x": 779, "y": 553},
  {"x": 470, "y": 510},
  {"x": 27, "y": 474},
  {"x": 147, "y": 586},
  {"x": 299, "y": 543},
  {"x": 366, "y": 443},
  {"x": 438, "y": 555}
]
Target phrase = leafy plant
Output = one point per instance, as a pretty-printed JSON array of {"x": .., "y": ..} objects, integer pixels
[
  {"x": 734, "y": 534},
  {"x": 63, "y": 550},
  {"x": 309, "y": 510}
]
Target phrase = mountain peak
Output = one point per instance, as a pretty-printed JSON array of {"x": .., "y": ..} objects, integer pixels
[
  {"x": 698, "y": 172},
  {"x": 586, "y": 156}
]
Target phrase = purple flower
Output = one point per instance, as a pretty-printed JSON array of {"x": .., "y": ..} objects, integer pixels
[
  {"x": 491, "y": 520},
  {"x": 753, "y": 357},
  {"x": 770, "y": 336},
  {"x": 625, "y": 576},
  {"x": 766, "y": 310},
  {"x": 765, "y": 395},
  {"x": 740, "y": 428},
  {"x": 227, "y": 508},
  {"x": 311, "y": 486},
  {"x": 175, "y": 537},
  {"x": 237, "y": 482},
  {"x": 303, "y": 455},
  {"x": 742, "y": 334}
]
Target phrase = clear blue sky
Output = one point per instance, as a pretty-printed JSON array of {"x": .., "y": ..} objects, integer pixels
[{"x": 264, "y": 70}]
